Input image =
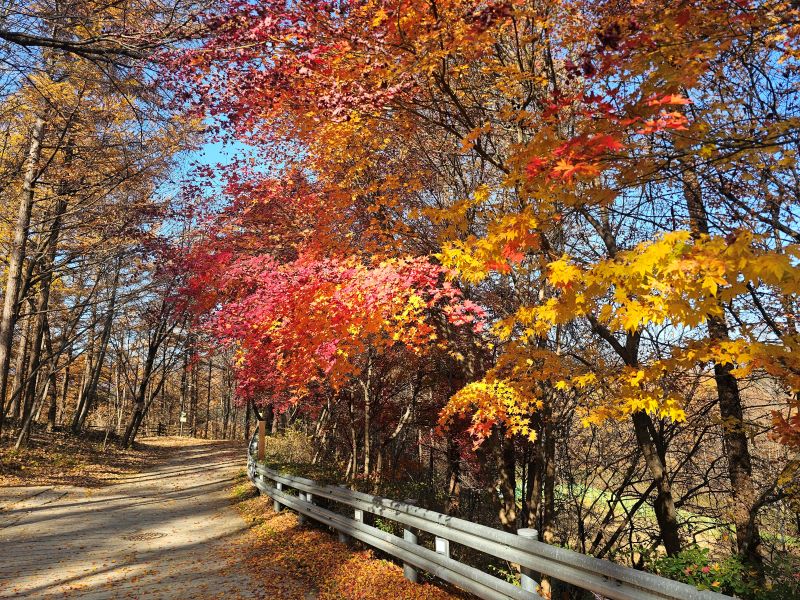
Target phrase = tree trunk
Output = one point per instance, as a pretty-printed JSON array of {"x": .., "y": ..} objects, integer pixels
[
  {"x": 208, "y": 398},
  {"x": 42, "y": 306},
  {"x": 453, "y": 477},
  {"x": 139, "y": 401},
  {"x": 506, "y": 479},
  {"x": 24, "y": 433},
  {"x": 735, "y": 443},
  {"x": 366, "y": 383},
  {"x": 367, "y": 436},
  {"x": 533, "y": 483},
  {"x": 148, "y": 402},
  {"x": 65, "y": 383},
  {"x": 17, "y": 256},
  {"x": 87, "y": 371},
  {"x": 548, "y": 478},
  {"x": 226, "y": 406},
  {"x": 193, "y": 397},
  {"x": 89, "y": 392},
  {"x": 666, "y": 513},
  {"x": 183, "y": 389},
  {"x": 549, "y": 475},
  {"x": 269, "y": 419},
  {"x": 352, "y": 465},
  {"x": 21, "y": 369},
  {"x": 247, "y": 422},
  {"x": 651, "y": 446},
  {"x": 52, "y": 408},
  {"x": 29, "y": 394}
]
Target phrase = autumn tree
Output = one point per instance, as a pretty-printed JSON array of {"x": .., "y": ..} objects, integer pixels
[
  {"x": 90, "y": 144},
  {"x": 612, "y": 182}
]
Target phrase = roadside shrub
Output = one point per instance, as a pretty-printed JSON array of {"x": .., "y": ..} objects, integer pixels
[
  {"x": 730, "y": 575},
  {"x": 289, "y": 447}
]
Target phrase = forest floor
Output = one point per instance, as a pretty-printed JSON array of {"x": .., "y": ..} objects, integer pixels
[
  {"x": 166, "y": 532},
  {"x": 59, "y": 458}
]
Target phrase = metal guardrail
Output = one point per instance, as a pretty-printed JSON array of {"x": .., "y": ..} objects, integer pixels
[{"x": 602, "y": 577}]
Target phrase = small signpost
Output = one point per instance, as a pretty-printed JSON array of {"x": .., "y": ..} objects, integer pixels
[{"x": 182, "y": 420}]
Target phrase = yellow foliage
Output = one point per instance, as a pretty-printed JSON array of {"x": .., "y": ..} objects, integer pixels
[{"x": 493, "y": 401}]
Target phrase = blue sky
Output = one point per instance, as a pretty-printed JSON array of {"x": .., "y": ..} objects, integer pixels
[{"x": 212, "y": 153}]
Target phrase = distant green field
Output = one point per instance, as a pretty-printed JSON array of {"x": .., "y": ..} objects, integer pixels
[{"x": 713, "y": 527}]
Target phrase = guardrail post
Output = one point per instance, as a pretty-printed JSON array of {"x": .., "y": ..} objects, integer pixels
[
  {"x": 527, "y": 582},
  {"x": 409, "y": 571},
  {"x": 301, "y": 518},
  {"x": 277, "y": 506},
  {"x": 442, "y": 546},
  {"x": 358, "y": 515},
  {"x": 410, "y": 535}
]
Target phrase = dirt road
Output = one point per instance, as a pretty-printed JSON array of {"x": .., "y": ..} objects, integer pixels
[{"x": 165, "y": 533}]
